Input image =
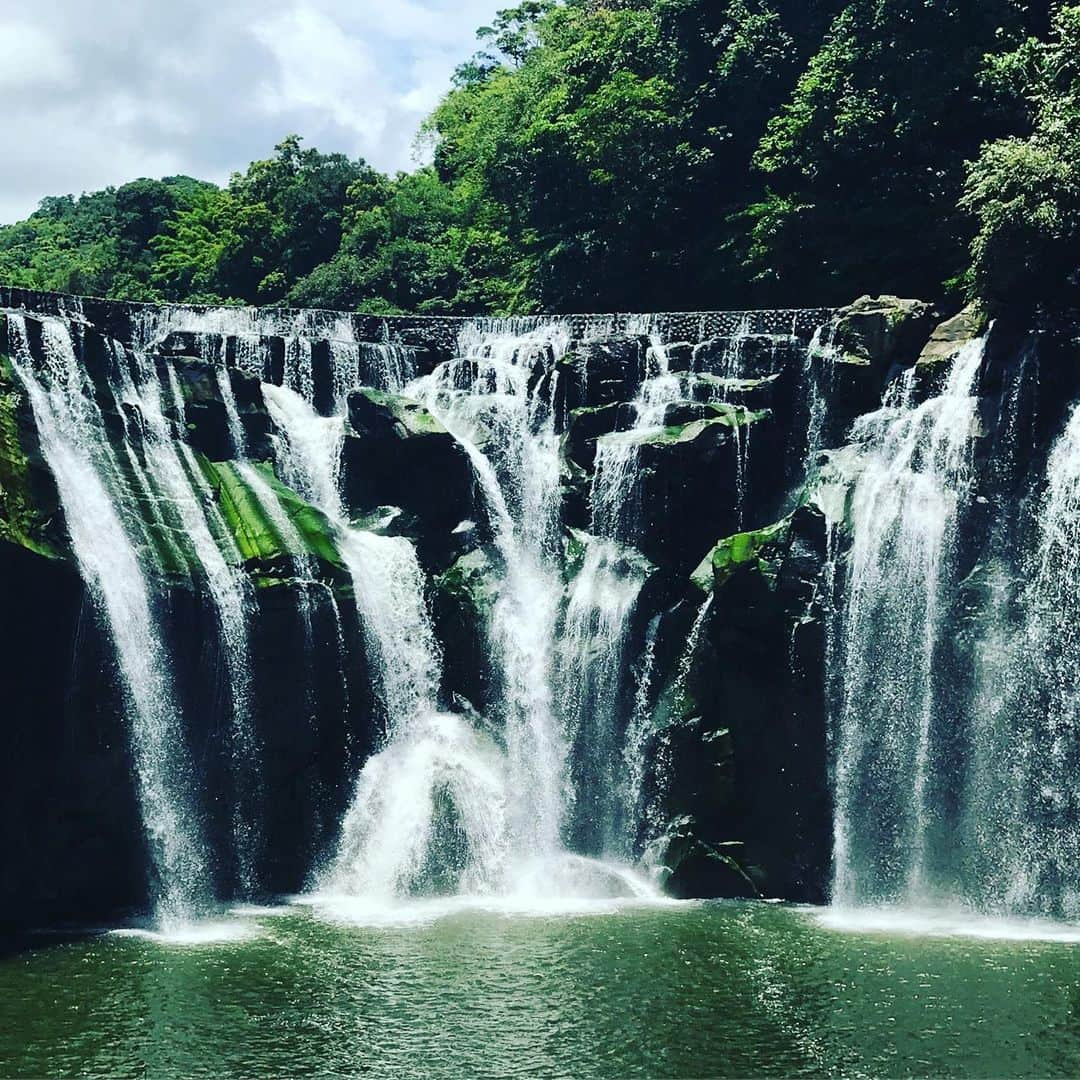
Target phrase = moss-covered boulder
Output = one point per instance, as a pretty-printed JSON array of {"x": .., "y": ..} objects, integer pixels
[
  {"x": 737, "y": 551},
  {"x": 588, "y": 424},
  {"x": 877, "y": 332},
  {"x": 768, "y": 633},
  {"x": 463, "y": 600},
  {"x": 397, "y": 453},
  {"x": 376, "y": 414},
  {"x": 737, "y": 764},
  {"x": 703, "y": 389},
  {"x": 255, "y": 529},
  {"x": 700, "y": 480}
]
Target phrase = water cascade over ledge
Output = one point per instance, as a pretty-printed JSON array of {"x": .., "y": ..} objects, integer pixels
[{"x": 557, "y": 609}]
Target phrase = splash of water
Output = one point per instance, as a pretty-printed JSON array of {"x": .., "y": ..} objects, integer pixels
[
  {"x": 427, "y": 813},
  {"x": 497, "y": 399}
]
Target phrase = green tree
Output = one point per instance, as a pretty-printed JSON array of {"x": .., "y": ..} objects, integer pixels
[
  {"x": 218, "y": 248},
  {"x": 866, "y": 162},
  {"x": 1025, "y": 192},
  {"x": 274, "y": 224}
]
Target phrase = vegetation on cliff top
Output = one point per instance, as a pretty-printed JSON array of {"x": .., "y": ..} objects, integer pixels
[{"x": 646, "y": 154}]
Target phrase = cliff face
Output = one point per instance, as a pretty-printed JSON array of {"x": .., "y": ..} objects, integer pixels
[{"x": 700, "y": 458}]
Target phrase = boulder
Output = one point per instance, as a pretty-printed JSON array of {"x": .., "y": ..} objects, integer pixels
[
  {"x": 589, "y": 423},
  {"x": 463, "y": 599},
  {"x": 768, "y": 634},
  {"x": 398, "y": 454},
  {"x": 603, "y": 371},
  {"x": 695, "y": 481},
  {"x": 254, "y": 417},
  {"x": 737, "y": 777},
  {"x": 680, "y": 356},
  {"x": 181, "y": 343},
  {"x": 878, "y": 332},
  {"x": 205, "y": 414},
  {"x": 74, "y": 849},
  {"x": 944, "y": 346},
  {"x": 696, "y": 868}
]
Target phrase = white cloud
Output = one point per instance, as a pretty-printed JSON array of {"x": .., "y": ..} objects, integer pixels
[
  {"x": 320, "y": 67},
  {"x": 146, "y": 88},
  {"x": 29, "y": 58}
]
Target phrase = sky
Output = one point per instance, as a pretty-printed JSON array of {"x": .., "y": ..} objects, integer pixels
[{"x": 99, "y": 92}]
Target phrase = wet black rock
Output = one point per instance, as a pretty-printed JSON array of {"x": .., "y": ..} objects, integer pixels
[{"x": 397, "y": 454}]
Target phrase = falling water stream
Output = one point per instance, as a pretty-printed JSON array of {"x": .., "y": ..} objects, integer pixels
[
  {"x": 89, "y": 479},
  {"x": 498, "y": 399},
  {"x": 911, "y": 476}
]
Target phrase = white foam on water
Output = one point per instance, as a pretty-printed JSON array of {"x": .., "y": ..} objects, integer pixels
[
  {"x": 570, "y": 887},
  {"x": 211, "y": 932},
  {"x": 944, "y": 922}
]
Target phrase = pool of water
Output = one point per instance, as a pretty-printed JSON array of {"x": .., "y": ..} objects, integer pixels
[{"x": 680, "y": 990}]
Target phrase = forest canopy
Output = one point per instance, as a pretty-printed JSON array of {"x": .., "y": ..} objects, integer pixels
[{"x": 647, "y": 155}]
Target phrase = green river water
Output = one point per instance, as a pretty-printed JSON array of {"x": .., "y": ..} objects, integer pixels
[{"x": 676, "y": 990}]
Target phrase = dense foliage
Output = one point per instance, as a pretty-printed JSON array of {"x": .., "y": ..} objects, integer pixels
[
  {"x": 638, "y": 154},
  {"x": 1025, "y": 191}
]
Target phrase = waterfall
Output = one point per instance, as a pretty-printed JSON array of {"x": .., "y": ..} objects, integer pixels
[
  {"x": 819, "y": 375},
  {"x": 528, "y": 800},
  {"x": 1043, "y": 863},
  {"x": 497, "y": 398},
  {"x": 388, "y": 583},
  {"x": 427, "y": 811},
  {"x": 75, "y": 445},
  {"x": 637, "y": 736},
  {"x": 592, "y": 652},
  {"x": 177, "y": 478},
  {"x": 652, "y": 820},
  {"x": 910, "y": 481},
  {"x": 614, "y": 497}
]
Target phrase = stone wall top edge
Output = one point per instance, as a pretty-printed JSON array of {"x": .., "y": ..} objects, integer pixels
[{"x": 7, "y": 292}]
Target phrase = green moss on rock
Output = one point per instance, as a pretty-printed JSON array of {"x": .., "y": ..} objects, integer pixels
[
  {"x": 256, "y": 536},
  {"x": 471, "y": 581},
  {"x": 727, "y": 416},
  {"x": 737, "y": 551},
  {"x": 367, "y": 405},
  {"x": 876, "y": 331},
  {"x": 577, "y": 542}
]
